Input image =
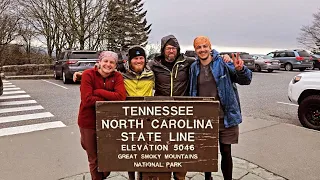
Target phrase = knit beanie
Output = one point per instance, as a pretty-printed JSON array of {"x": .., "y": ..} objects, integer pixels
[{"x": 136, "y": 51}]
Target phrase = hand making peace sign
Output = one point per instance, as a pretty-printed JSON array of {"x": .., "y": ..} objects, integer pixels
[{"x": 237, "y": 62}]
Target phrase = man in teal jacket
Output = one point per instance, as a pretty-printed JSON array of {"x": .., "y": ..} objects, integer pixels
[{"x": 210, "y": 76}]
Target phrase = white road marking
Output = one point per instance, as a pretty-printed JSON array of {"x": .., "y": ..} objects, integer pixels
[
  {"x": 17, "y": 109},
  {"x": 30, "y": 128},
  {"x": 5, "y": 81},
  {"x": 25, "y": 117},
  {"x": 55, "y": 84},
  {"x": 14, "y": 92},
  {"x": 10, "y": 89},
  {"x": 8, "y": 86},
  {"x": 14, "y": 97},
  {"x": 9, "y": 103},
  {"x": 290, "y": 104}
]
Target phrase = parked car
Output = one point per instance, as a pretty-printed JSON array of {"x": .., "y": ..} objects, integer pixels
[
  {"x": 1, "y": 86},
  {"x": 71, "y": 61},
  {"x": 316, "y": 61},
  {"x": 293, "y": 59},
  {"x": 304, "y": 90},
  {"x": 264, "y": 62},
  {"x": 191, "y": 53},
  {"x": 246, "y": 57}
]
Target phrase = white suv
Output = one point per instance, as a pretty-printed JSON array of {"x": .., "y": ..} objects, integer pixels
[{"x": 304, "y": 90}]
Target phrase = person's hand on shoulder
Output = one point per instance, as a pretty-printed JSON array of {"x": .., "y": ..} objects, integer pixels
[
  {"x": 77, "y": 76},
  {"x": 226, "y": 58}
]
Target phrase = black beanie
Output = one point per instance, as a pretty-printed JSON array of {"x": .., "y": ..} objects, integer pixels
[{"x": 136, "y": 51}]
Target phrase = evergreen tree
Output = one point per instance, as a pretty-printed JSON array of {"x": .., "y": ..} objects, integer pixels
[{"x": 126, "y": 25}]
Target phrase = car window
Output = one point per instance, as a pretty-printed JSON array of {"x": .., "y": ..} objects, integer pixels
[
  {"x": 270, "y": 55},
  {"x": 84, "y": 55},
  {"x": 282, "y": 54},
  {"x": 303, "y": 54},
  {"x": 290, "y": 54},
  {"x": 245, "y": 56},
  {"x": 277, "y": 54}
]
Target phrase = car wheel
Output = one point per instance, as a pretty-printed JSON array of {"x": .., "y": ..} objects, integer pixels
[
  {"x": 55, "y": 75},
  {"x": 257, "y": 68},
  {"x": 65, "y": 80},
  {"x": 309, "y": 112},
  {"x": 288, "y": 67},
  {"x": 302, "y": 69},
  {"x": 270, "y": 70}
]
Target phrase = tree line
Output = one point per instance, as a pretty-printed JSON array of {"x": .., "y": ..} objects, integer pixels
[{"x": 73, "y": 24}]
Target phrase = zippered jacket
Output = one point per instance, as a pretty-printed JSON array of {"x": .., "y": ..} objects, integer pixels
[
  {"x": 225, "y": 76},
  {"x": 167, "y": 82}
]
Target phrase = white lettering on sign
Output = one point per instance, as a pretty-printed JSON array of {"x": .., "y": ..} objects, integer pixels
[
  {"x": 182, "y": 124},
  {"x": 127, "y": 156},
  {"x": 181, "y": 156},
  {"x": 148, "y": 164},
  {"x": 173, "y": 164},
  {"x": 135, "y": 136},
  {"x": 182, "y": 136},
  {"x": 150, "y": 156},
  {"x": 146, "y": 147},
  {"x": 122, "y": 123},
  {"x": 158, "y": 110}
]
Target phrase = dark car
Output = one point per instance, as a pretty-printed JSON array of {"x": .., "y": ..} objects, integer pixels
[
  {"x": 293, "y": 59},
  {"x": 190, "y": 53},
  {"x": 246, "y": 57},
  {"x": 316, "y": 61},
  {"x": 71, "y": 61},
  {"x": 1, "y": 86}
]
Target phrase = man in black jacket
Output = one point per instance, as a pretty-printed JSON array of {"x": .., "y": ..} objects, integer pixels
[{"x": 171, "y": 69}]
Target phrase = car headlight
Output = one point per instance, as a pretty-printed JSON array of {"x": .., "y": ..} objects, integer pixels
[{"x": 296, "y": 79}]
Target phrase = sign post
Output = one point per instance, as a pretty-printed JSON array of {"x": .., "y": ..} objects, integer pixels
[{"x": 176, "y": 135}]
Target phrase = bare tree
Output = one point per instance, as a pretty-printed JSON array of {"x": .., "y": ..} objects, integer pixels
[
  {"x": 8, "y": 26},
  {"x": 40, "y": 14},
  {"x": 27, "y": 33},
  {"x": 310, "y": 36}
]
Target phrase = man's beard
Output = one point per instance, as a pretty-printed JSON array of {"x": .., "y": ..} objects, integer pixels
[
  {"x": 170, "y": 59},
  {"x": 137, "y": 69}
]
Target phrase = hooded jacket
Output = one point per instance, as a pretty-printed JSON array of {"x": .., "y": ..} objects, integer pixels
[
  {"x": 225, "y": 76},
  {"x": 173, "y": 82}
]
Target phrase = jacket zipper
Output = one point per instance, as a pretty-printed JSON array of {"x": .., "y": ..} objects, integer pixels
[
  {"x": 104, "y": 83},
  {"x": 175, "y": 76}
]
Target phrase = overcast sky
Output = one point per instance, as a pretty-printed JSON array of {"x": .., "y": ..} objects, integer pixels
[{"x": 255, "y": 25}]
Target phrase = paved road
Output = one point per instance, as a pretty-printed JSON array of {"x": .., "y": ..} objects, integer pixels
[
  {"x": 267, "y": 97},
  {"x": 44, "y": 104}
]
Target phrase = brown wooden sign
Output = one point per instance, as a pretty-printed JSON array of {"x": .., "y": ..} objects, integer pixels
[{"x": 158, "y": 136}]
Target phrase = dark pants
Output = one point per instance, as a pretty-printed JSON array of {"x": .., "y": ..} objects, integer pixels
[
  {"x": 89, "y": 144},
  {"x": 226, "y": 163}
]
